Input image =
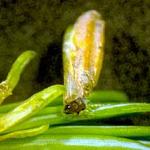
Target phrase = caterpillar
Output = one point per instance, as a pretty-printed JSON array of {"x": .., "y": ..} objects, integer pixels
[{"x": 83, "y": 52}]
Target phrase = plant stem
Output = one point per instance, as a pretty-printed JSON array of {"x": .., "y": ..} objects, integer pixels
[
  {"x": 120, "y": 131},
  {"x": 30, "y": 107},
  {"x": 73, "y": 142},
  {"x": 25, "y": 133},
  {"x": 13, "y": 77},
  {"x": 94, "y": 112}
]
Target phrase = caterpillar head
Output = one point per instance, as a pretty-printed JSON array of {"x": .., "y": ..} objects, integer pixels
[{"x": 75, "y": 106}]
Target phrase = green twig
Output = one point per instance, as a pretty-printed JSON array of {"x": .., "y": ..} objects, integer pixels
[
  {"x": 73, "y": 142},
  {"x": 7, "y": 86},
  {"x": 120, "y": 131},
  {"x": 25, "y": 133},
  {"x": 108, "y": 97},
  {"x": 31, "y": 106},
  {"x": 94, "y": 112}
]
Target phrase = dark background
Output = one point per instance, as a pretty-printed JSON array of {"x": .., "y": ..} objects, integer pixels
[{"x": 39, "y": 25}]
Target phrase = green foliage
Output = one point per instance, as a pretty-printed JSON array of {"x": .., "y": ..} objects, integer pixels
[{"x": 33, "y": 117}]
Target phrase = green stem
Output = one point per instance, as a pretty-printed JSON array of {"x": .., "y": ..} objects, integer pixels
[
  {"x": 93, "y": 112},
  {"x": 108, "y": 97},
  {"x": 30, "y": 107},
  {"x": 120, "y": 131},
  {"x": 18, "y": 67},
  {"x": 108, "y": 111},
  {"x": 8, "y": 107},
  {"x": 46, "y": 110},
  {"x": 25, "y": 133},
  {"x": 73, "y": 142},
  {"x": 7, "y": 86}
]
